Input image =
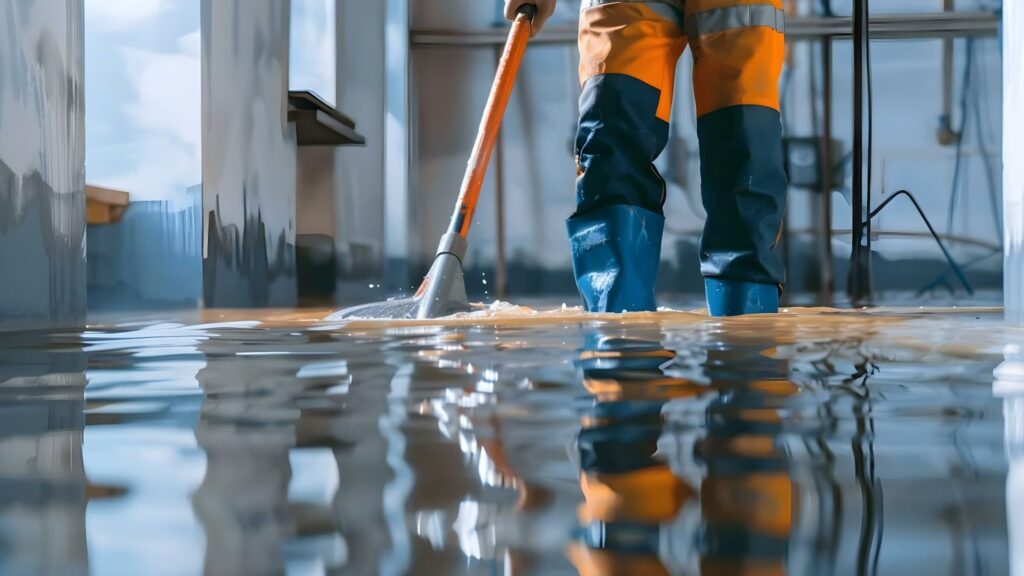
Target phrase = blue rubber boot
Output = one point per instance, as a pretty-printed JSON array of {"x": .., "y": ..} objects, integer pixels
[
  {"x": 615, "y": 255},
  {"x": 735, "y": 297}
]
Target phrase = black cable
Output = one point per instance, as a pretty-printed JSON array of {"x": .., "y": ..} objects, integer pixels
[
  {"x": 865, "y": 41},
  {"x": 949, "y": 258},
  {"x": 958, "y": 167},
  {"x": 942, "y": 279}
]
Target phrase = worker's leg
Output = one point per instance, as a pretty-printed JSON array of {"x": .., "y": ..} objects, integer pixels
[
  {"x": 628, "y": 55},
  {"x": 738, "y": 48}
]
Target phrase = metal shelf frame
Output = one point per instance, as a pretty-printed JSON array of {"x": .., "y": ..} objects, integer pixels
[
  {"x": 883, "y": 27},
  {"x": 823, "y": 30}
]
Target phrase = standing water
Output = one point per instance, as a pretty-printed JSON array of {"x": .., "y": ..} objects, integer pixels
[{"x": 514, "y": 442}]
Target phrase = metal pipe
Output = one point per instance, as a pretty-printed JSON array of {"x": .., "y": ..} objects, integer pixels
[
  {"x": 946, "y": 135},
  {"x": 806, "y": 28},
  {"x": 898, "y": 26},
  {"x": 859, "y": 281},
  {"x": 954, "y": 238},
  {"x": 825, "y": 272},
  {"x": 836, "y": 232}
]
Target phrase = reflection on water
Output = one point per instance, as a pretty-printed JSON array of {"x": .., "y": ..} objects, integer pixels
[{"x": 805, "y": 444}]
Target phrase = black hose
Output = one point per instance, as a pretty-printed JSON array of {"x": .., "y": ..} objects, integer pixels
[
  {"x": 942, "y": 279},
  {"x": 949, "y": 258}
]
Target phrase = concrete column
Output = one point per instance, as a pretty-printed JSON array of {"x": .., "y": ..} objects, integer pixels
[
  {"x": 42, "y": 165},
  {"x": 1013, "y": 160},
  {"x": 397, "y": 149},
  {"x": 249, "y": 155},
  {"x": 359, "y": 176}
]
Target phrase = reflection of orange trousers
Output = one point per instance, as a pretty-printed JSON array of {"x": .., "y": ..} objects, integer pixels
[
  {"x": 758, "y": 505},
  {"x": 628, "y": 56}
]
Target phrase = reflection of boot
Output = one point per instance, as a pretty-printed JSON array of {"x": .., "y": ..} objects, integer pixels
[
  {"x": 615, "y": 253},
  {"x": 631, "y": 496},
  {"x": 734, "y": 297},
  {"x": 749, "y": 499}
]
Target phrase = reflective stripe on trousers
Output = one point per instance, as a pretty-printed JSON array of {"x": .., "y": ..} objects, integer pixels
[{"x": 711, "y": 20}]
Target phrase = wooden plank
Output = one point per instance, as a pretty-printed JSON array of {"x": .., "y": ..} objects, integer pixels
[
  {"x": 104, "y": 205},
  {"x": 107, "y": 195}
]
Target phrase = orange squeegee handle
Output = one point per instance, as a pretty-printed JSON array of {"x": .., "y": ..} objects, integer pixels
[{"x": 501, "y": 91}]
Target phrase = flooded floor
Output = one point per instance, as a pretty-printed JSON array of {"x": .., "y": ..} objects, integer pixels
[{"x": 513, "y": 442}]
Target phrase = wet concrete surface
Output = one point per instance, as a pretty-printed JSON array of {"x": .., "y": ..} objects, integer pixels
[{"x": 513, "y": 442}]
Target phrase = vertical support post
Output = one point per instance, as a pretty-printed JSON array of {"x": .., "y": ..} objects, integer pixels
[
  {"x": 360, "y": 214},
  {"x": 500, "y": 264},
  {"x": 1013, "y": 161},
  {"x": 946, "y": 135},
  {"x": 825, "y": 278},
  {"x": 397, "y": 137},
  {"x": 249, "y": 155},
  {"x": 859, "y": 285}
]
